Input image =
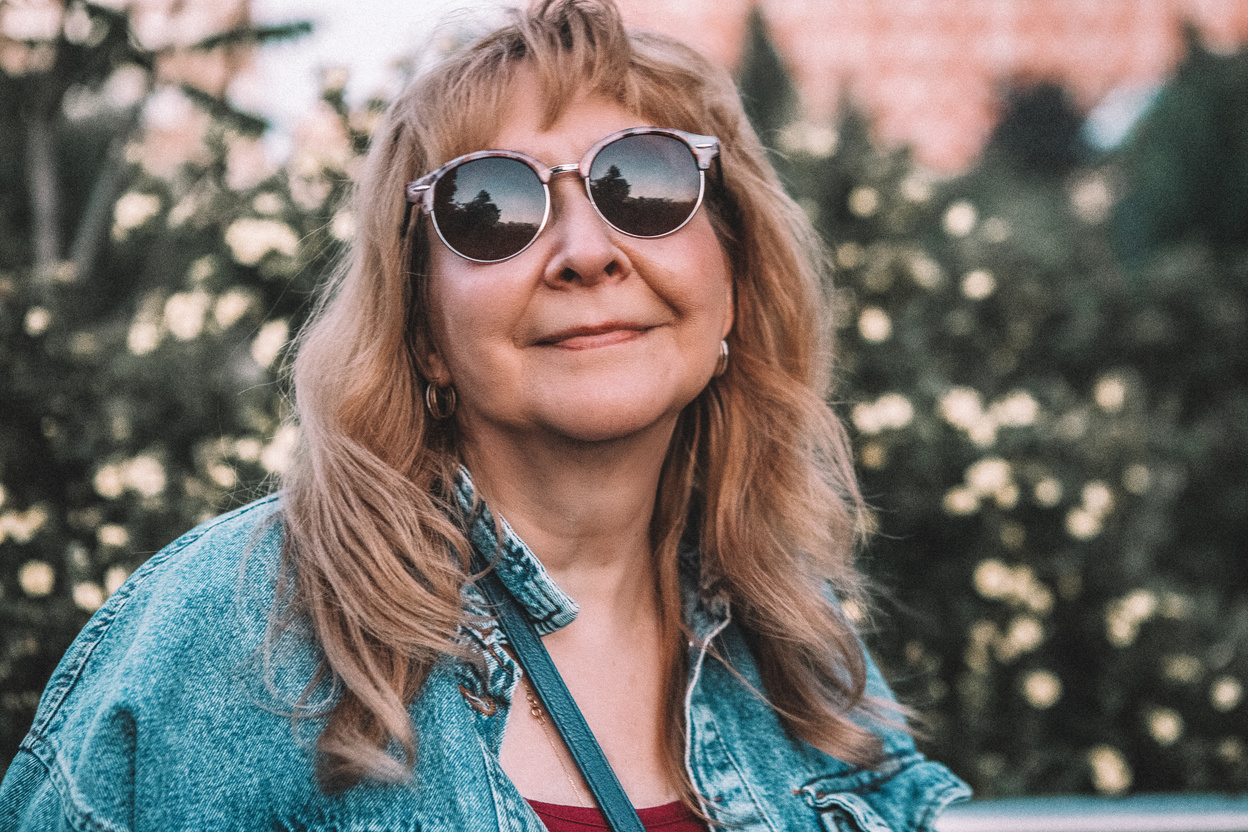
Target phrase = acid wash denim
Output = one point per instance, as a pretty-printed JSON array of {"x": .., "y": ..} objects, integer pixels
[{"x": 171, "y": 711}]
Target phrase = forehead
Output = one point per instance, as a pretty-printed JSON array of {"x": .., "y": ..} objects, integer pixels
[{"x": 583, "y": 119}]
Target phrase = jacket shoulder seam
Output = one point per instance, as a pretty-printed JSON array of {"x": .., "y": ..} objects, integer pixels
[
  {"x": 102, "y": 621},
  {"x": 79, "y": 818}
]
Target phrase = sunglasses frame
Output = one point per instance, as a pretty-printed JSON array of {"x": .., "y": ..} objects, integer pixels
[{"x": 704, "y": 149}]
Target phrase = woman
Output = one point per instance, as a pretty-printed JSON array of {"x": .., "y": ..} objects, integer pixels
[{"x": 592, "y": 357}]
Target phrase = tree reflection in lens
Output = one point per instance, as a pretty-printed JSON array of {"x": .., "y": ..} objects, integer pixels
[
  {"x": 501, "y": 219},
  {"x": 645, "y": 185}
]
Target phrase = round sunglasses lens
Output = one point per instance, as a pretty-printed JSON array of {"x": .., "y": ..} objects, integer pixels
[
  {"x": 645, "y": 185},
  {"x": 489, "y": 209}
]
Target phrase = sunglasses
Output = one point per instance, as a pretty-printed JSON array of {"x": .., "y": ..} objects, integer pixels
[{"x": 490, "y": 205}]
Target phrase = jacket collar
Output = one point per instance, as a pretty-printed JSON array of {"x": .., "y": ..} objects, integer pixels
[{"x": 518, "y": 568}]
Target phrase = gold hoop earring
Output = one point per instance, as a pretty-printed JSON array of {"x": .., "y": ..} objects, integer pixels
[
  {"x": 721, "y": 366},
  {"x": 439, "y": 407}
]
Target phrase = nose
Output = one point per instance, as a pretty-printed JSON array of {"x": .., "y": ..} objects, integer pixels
[{"x": 584, "y": 248}]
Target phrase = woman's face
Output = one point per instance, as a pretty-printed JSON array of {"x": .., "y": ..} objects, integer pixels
[{"x": 589, "y": 334}]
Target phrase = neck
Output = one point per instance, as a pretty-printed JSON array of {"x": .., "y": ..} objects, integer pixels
[{"x": 583, "y": 508}]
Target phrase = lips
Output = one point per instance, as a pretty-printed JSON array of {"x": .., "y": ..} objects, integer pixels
[{"x": 597, "y": 335}]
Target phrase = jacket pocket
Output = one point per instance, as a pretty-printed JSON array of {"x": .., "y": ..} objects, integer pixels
[{"x": 843, "y": 811}]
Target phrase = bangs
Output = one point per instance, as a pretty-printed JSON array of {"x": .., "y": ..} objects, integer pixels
[{"x": 586, "y": 51}]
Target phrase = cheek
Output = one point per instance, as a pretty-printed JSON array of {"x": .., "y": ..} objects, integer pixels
[
  {"x": 710, "y": 286},
  {"x": 469, "y": 311}
]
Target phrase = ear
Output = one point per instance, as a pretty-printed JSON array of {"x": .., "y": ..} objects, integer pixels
[
  {"x": 730, "y": 308},
  {"x": 435, "y": 369}
]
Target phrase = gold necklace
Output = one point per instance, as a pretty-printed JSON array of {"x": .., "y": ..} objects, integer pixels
[{"x": 539, "y": 713}]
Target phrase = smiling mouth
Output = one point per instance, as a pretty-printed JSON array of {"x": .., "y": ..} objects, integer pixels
[{"x": 590, "y": 337}]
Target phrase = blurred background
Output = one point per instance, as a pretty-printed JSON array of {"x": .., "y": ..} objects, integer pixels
[{"x": 1037, "y": 212}]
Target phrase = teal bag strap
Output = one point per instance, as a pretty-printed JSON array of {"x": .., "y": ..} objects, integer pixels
[{"x": 558, "y": 702}]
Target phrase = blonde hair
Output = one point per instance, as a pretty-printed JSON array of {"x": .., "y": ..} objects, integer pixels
[{"x": 758, "y": 464}]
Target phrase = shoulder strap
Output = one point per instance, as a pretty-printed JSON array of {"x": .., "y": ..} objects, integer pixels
[{"x": 558, "y": 702}]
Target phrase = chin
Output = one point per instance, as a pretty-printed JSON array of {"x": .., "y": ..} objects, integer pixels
[{"x": 610, "y": 421}]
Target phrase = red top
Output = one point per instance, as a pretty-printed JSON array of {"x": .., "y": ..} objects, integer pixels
[{"x": 670, "y": 817}]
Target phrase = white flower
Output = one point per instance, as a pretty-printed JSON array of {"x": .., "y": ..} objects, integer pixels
[
  {"x": 1048, "y": 492},
  {"x": 144, "y": 474},
  {"x": 1024, "y": 635},
  {"x": 248, "y": 449},
  {"x": 184, "y": 314},
  {"x": 988, "y": 476},
  {"x": 962, "y": 407},
  {"x": 230, "y": 307},
  {"x": 1091, "y": 199},
  {"x": 873, "y": 455},
  {"x": 892, "y": 411},
  {"x": 37, "y": 321},
  {"x": 112, "y": 535},
  {"x": 993, "y": 579},
  {"x": 1110, "y": 772},
  {"x": 1124, "y": 616},
  {"x": 978, "y": 284},
  {"x": 223, "y": 475},
  {"x": 250, "y": 239},
  {"x": 925, "y": 272},
  {"x": 22, "y": 526},
  {"x": 1181, "y": 668},
  {"x": 817, "y": 140},
  {"x": 143, "y": 337},
  {"x": 874, "y": 325},
  {"x": 88, "y": 596},
  {"x": 31, "y": 21},
  {"x": 916, "y": 189},
  {"x": 1226, "y": 693},
  {"x": 1017, "y": 410},
  {"x": 866, "y": 419},
  {"x": 1097, "y": 498},
  {"x": 1041, "y": 689},
  {"x": 960, "y": 502},
  {"x": 1082, "y": 524},
  {"x": 277, "y": 454},
  {"x": 895, "y": 410},
  {"x": 109, "y": 482},
  {"x": 126, "y": 86},
  {"x": 849, "y": 255},
  {"x": 114, "y": 578},
  {"x": 36, "y": 578},
  {"x": 343, "y": 225},
  {"x": 864, "y": 201},
  {"x": 1137, "y": 479},
  {"x": 1140, "y": 604},
  {"x": 960, "y": 219},
  {"x": 267, "y": 203},
  {"x": 133, "y": 210},
  {"x": 1110, "y": 393},
  {"x": 269, "y": 342},
  {"x": 1165, "y": 725}
]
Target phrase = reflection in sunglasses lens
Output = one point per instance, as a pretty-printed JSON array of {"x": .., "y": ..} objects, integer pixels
[
  {"x": 489, "y": 209},
  {"x": 645, "y": 185}
]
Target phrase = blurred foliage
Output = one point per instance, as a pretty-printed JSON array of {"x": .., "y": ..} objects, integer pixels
[
  {"x": 1053, "y": 442},
  {"x": 1188, "y": 167}
]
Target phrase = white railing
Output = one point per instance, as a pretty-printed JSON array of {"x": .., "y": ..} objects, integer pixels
[{"x": 1139, "y": 813}]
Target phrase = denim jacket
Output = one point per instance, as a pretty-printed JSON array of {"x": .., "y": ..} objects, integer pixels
[{"x": 172, "y": 710}]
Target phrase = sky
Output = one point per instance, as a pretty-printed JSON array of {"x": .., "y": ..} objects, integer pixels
[{"x": 366, "y": 36}]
